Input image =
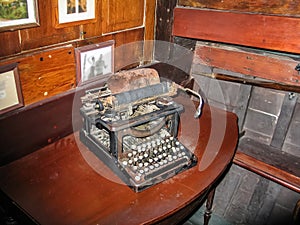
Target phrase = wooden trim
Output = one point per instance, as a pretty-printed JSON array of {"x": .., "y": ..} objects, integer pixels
[
  {"x": 249, "y": 62},
  {"x": 270, "y": 172},
  {"x": 256, "y": 30}
]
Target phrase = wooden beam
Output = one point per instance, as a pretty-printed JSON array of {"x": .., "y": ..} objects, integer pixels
[
  {"x": 249, "y": 62},
  {"x": 256, "y": 30},
  {"x": 286, "y": 7}
]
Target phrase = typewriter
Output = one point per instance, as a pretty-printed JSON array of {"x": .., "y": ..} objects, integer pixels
[{"x": 134, "y": 130}]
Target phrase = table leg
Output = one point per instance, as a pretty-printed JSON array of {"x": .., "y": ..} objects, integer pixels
[{"x": 209, "y": 203}]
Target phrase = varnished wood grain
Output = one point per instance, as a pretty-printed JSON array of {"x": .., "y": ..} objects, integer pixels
[
  {"x": 9, "y": 43},
  {"x": 59, "y": 184},
  {"x": 149, "y": 30},
  {"x": 288, "y": 7},
  {"x": 121, "y": 15},
  {"x": 253, "y": 63},
  {"x": 46, "y": 34},
  {"x": 129, "y": 48},
  {"x": 47, "y": 74},
  {"x": 255, "y": 30}
]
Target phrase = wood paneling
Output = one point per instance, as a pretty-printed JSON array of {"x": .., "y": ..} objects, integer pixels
[
  {"x": 149, "y": 30},
  {"x": 46, "y": 34},
  {"x": 269, "y": 32},
  {"x": 46, "y": 73},
  {"x": 258, "y": 64},
  {"x": 9, "y": 43},
  {"x": 129, "y": 48},
  {"x": 121, "y": 15},
  {"x": 287, "y": 7}
]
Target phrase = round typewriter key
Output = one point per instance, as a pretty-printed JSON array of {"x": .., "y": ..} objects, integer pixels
[
  {"x": 155, "y": 159},
  {"x": 150, "y": 160},
  {"x": 137, "y": 178},
  {"x": 135, "y": 159},
  {"x": 129, "y": 154},
  {"x": 177, "y": 143},
  {"x": 129, "y": 161},
  {"x": 141, "y": 171},
  {"x": 151, "y": 167},
  {"x": 146, "y": 170},
  {"x": 146, "y": 164},
  {"x": 141, "y": 157},
  {"x": 134, "y": 168},
  {"x": 141, "y": 165},
  {"x": 156, "y": 165},
  {"x": 125, "y": 163},
  {"x": 134, "y": 152},
  {"x": 133, "y": 147}
]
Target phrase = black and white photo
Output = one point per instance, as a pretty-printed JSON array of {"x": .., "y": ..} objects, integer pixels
[{"x": 94, "y": 61}]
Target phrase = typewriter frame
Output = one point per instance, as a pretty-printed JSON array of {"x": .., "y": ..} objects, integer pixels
[{"x": 168, "y": 117}]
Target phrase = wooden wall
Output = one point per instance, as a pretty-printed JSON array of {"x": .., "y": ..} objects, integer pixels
[
  {"x": 45, "y": 54},
  {"x": 262, "y": 34}
]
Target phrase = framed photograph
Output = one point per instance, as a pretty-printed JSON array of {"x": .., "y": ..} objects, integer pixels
[
  {"x": 94, "y": 62},
  {"x": 10, "y": 88},
  {"x": 75, "y": 11},
  {"x": 18, "y": 14}
]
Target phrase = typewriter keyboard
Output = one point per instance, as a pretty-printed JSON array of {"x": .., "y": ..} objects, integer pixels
[{"x": 154, "y": 156}]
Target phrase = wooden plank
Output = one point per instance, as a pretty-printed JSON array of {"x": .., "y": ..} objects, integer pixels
[
  {"x": 249, "y": 62},
  {"x": 46, "y": 73},
  {"x": 31, "y": 128},
  {"x": 9, "y": 43},
  {"x": 284, "y": 120},
  {"x": 47, "y": 34},
  {"x": 256, "y": 30},
  {"x": 149, "y": 30},
  {"x": 129, "y": 48},
  {"x": 287, "y": 7},
  {"x": 121, "y": 15}
]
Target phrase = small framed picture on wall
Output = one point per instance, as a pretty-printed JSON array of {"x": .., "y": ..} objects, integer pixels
[
  {"x": 18, "y": 14},
  {"x": 10, "y": 88},
  {"x": 94, "y": 62},
  {"x": 74, "y": 12}
]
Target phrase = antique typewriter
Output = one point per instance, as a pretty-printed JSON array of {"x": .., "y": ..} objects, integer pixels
[{"x": 134, "y": 130}]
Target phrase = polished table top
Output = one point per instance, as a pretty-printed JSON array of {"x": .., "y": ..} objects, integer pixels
[{"x": 64, "y": 183}]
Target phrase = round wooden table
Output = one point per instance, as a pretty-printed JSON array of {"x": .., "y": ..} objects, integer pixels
[{"x": 58, "y": 185}]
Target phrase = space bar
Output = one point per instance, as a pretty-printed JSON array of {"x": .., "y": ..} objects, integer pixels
[{"x": 166, "y": 168}]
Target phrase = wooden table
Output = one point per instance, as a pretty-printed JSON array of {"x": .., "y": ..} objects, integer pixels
[{"x": 63, "y": 183}]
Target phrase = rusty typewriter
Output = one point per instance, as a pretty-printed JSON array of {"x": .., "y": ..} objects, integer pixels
[{"x": 131, "y": 124}]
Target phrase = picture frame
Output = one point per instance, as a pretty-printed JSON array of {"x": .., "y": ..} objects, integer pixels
[
  {"x": 94, "y": 62},
  {"x": 18, "y": 14},
  {"x": 10, "y": 88},
  {"x": 75, "y": 12}
]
